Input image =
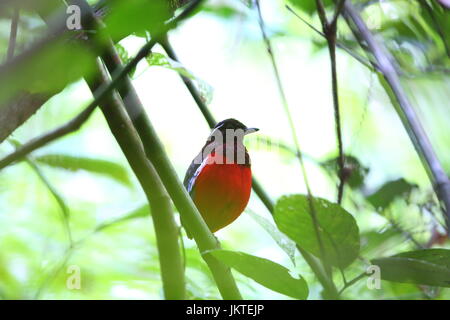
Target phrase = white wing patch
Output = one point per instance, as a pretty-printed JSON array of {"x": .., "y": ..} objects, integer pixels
[{"x": 197, "y": 172}]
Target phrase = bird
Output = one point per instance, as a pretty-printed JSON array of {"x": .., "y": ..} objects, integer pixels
[{"x": 219, "y": 179}]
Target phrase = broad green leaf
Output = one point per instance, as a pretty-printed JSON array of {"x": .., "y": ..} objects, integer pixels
[
  {"x": 99, "y": 166},
  {"x": 391, "y": 190},
  {"x": 127, "y": 17},
  {"x": 267, "y": 273},
  {"x": 280, "y": 238},
  {"x": 426, "y": 267},
  {"x": 337, "y": 228}
]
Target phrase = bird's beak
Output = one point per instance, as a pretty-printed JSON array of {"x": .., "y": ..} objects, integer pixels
[{"x": 251, "y": 130}]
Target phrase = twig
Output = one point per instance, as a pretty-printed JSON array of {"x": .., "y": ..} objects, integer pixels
[
  {"x": 337, "y": 12},
  {"x": 405, "y": 109},
  {"x": 330, "y": 32},
  {"x": 13, "y": 33},
  {"x": 352, "y": 282},
  {"x": 367, "y": 63}
]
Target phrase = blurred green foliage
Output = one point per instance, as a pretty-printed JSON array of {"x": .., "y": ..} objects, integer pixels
[{"x": 384, "y": 219}]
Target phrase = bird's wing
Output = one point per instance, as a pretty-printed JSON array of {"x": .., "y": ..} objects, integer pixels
[{"x": 191, "y": 175}]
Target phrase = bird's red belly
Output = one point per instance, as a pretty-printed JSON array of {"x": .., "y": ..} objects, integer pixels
[{"x": 221, "y": 192}]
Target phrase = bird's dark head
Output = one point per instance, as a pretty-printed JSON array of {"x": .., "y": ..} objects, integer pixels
[{"x": 233, "y": 124}]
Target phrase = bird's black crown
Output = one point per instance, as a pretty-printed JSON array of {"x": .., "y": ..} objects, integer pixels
[{"x": 230, "y": 124}]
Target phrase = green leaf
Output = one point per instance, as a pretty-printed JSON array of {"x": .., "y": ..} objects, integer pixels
[
  {"x": 98, "y": 166},
  {"x": 425, "y": 267},
  {"x": 267, "y": 273},
  {"x": 127, "y": 17},
  {"x": 337, "y": 228},
  {"x": 391, "y": 190},
  {"x": 280, "y": 238}
]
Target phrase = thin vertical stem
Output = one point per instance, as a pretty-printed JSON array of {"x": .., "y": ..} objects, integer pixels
[{"x": 330, "y": 33}]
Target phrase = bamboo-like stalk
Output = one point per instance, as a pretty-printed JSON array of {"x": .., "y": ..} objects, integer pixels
[{"x": 166, "y": 229}]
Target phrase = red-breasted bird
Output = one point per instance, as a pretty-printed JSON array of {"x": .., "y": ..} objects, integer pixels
[{"x": 219, "y": 179}]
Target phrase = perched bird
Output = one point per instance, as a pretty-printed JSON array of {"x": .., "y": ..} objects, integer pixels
[{"x": 219, "y": 179}]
